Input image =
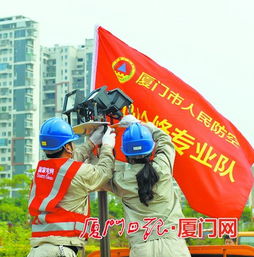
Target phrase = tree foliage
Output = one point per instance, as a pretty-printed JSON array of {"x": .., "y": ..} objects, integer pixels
[
  {"x": 14, "y": 240},
  {"x": 247, "y": 214},
  {"x": 14, "y": 209}
]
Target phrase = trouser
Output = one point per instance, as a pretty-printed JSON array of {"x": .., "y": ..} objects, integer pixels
[
  {"x": 162, "y": 247},
  {"x": 50, "y": 250}
]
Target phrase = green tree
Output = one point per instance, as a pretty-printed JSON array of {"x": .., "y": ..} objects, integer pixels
[
  {"x": 246, "y": 215},
  {"x": 20, "y": 182},
  {"x": 15, "y": 209},
  {"x": 14, "y": 240},
  {"x": 116, "y": 208},
  {"x": 13, "y": 214},
  {"x": 94, "y": 209}
]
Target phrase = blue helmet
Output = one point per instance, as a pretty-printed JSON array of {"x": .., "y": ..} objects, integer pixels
[
  {"x": 137, "y": 140},
  {"x": 55, "y": 133}
]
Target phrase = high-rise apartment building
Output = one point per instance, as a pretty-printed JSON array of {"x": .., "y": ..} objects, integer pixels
[
  {"x": 19, "y": 95},
  {"x": 33, "y": 83},
  {"x": 63, "y": 69}
]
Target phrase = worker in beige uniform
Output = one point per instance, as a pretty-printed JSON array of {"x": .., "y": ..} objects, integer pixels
[
  {"x": 146, "y": 189},
  {"x": 58, "y": 199}
]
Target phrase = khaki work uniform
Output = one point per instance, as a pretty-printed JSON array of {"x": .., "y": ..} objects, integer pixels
[
  {"x": 87, "y": 179},
  {"x": 164, "y": 205}
]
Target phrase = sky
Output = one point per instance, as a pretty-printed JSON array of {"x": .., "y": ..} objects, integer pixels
[{"x": 209, "y": 44}]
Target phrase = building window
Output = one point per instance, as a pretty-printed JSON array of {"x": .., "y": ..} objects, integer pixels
[
  {"x": 20, "y": 33},
  {"x": 4, "y": 66}
]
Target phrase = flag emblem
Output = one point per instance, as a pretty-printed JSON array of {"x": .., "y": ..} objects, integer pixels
[{"x": 124, "y": 69}]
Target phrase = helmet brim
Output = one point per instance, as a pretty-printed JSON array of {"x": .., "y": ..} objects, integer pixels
[{"x": 49, "y": 148}]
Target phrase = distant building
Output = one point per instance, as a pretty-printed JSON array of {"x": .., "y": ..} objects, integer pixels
[
  {"x": 63, "y": 69},
  {"x": 33, "y": 83},
  {"x": 19, "y": 95}
]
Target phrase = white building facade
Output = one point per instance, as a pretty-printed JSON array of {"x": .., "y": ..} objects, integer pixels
[
  {"x": 33, "y": 83},
  {"x": 19, "y": 95},
  {"x": 63, "y": 69}
]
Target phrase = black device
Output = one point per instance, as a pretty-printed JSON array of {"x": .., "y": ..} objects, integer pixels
[{"x": 99, "y": 104}]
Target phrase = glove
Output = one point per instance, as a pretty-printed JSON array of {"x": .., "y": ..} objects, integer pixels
[
  {"x": 96, "y": 136},
  {"x": 127, "y": 120},
  {"x": 109, "y": 137}
]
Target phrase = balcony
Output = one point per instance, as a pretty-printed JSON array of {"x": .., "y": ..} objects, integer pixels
[
  {"x": 29, "y": 95},
  {"x": 3, "y": 76},
  {"x": 29, "y": 82},
  {"x": 47, "y": 115},
  {"x": 28, "y": 150},
  {"x": 6, "y": 71},
  {"x": 28, "y": 124},
  {"x": 3, "y": 142},
  {"x": 30, "y": 57},
  {"x": 5, "y": 173},
  {"x": 29, "y": 68},
  {"x": 5, "y": 116},
  {"x": 5, "y": 43},
  {"x": 5, "y": 68},
  {"x": 30, "y": 43},
  {"x": 32, "y": 33},
  {"x": 50, "y": 75},
  {"x": 78, "y": 86},
  {"x": 49, "y": 101},
  {"x": 78, "y": 72},
  {"x": 30, "y": 107},
  {"x": 4, "y": 94},
  {"x": 49, "y": 88},
  {"x": 28, "y": 158},
  {"x": 29, "y": 132}
]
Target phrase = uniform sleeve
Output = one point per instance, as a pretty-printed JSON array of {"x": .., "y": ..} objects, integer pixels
[
  {"x": 92, "y": 177},
  {"x": 83, "y": 152},
  {"x": 109, "y": 186},
  {"x": 164, "y": 148}
]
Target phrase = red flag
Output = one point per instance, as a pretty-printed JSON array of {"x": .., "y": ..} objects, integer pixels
[{"x": 213, "y": 162}]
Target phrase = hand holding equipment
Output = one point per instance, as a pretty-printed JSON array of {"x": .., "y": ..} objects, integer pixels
[
  {"x": 128, "y": 120},
  {"x": 96, "y": 136},
  {"x": 109, "y": 137}
]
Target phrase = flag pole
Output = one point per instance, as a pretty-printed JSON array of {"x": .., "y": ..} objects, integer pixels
[{"x": 103, "y": 216}]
